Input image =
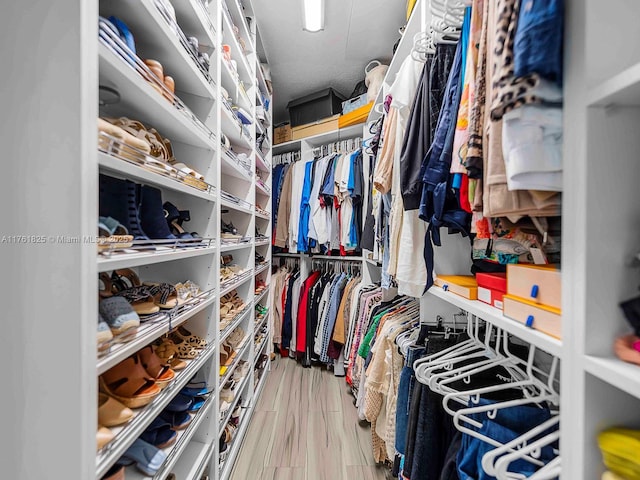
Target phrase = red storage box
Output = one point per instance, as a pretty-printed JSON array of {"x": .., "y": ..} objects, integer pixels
[{"x": 491, "y": 288}]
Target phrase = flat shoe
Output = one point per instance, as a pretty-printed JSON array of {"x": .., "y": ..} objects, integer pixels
[
  {"x": 159, "y": 434},
  {"x": 179, "y": 403},
  {"x": 111, "y": 412},
  {"x": 103, "y": 436},
  {"x": 193, "y": 340},
  {"x": 148, "y": 459},
  {"x": 178, "y": 420}
]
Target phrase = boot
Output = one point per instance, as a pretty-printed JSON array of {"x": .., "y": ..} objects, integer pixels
[
  {"x": 118, "y": 200},
  {"x": 152, "y": 214}
]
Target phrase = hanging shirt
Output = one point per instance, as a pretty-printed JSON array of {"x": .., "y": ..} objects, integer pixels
[
  {"x": 305, "y": 208},
  {"x": 297, "y": 180},
  {"x": 318, "y": 221}
]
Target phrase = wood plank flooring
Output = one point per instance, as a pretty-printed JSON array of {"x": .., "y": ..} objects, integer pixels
[{"x": 305, "y": 427}]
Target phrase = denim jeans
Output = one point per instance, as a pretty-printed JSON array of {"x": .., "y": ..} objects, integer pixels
[
  {"x": 405, "y": 389},
  {"x": 386, "y": 278},
  {"x": 538, "y": 40},
  {"x": 508, "y": 424}
]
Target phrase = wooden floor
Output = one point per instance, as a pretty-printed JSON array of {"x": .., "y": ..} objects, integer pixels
[{"x": 305, "y": 427}]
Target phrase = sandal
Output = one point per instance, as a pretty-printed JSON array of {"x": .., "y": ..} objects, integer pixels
[
  {"x": 185, "y": 351},
  {"x": 140, "y": 299},
  {"x": 168, "y": 352},
  {"x": 178, "y": 420},
  {"x": 125, "y": 278},
  {"x": 164, "y": 295},
  {"x": 175, "y": 218},
  {"x": 112, "y": 234},
  {"x": 159, "y": 371},
  {"x": 191, "y": 177},
  {"x": 193, "y": 340},
  {"x": 129, "y": 383},
  {"x": 105, "y": 285},
  {"x": 159, "y": 434}
]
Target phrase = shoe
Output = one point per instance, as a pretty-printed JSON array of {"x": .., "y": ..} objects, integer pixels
[
  {"x": 118, "y": 199},
  {"x": 159, "y": 434},
  {"x": 152, "y": 214},
  {"x": 129, "y": 383},
  {"x": 164, "y": 295},
  {"x": 159, "y": 371},
  {"x": 185, "y": 350},
  {"x": 178, "y": 420},
  {"x": 119, "y": 315},
  {"x": 175, "y": 219},
  {"x": 116, "y": 472},
  {"x": 112, "y": 234},
  {"x": 139, "y": 298},
  {"x": 147, "y": 458},
  {"x": 111, "y": 412},
  {"x": 168, "y": 352},
  {"x": 104, "y": 334},
  {"x": 191, "y": 339},
  {"x": 103, "y": 436}
]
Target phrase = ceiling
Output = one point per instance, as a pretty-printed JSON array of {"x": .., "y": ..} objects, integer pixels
[{"x": 356, "y": 31}]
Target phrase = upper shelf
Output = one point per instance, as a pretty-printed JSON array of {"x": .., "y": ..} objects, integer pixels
[
  {"x": 231, "y": 84},
  {"x": 404, "y": 49},
  {"x": 194, "y": 20},
  {"x": 321, "y": 139},
  {"x": 155, "y": 39},
  {"x": 244, "y": 70},
  {"x": 233, "y": 129},
  {"x": 262, "y": 163},
  {"x": 239, "y": 19},
  {"x": 622, "y": 89},
  {"x": 622, "y": 375},
  {"x": 495, "y": 317},
  {"x": 140, "y": 101}
]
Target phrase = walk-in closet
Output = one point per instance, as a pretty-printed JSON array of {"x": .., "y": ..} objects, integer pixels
[{"x": 320, "y": 240}]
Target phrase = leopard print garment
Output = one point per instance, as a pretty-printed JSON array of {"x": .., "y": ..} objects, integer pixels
[{"x": 509, "y": 92}]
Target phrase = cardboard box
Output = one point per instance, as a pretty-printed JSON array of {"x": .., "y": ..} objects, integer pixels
[
  {"x": 309, "y": 130},
  {"x": 540, "y": 284},
  {"x": 539, "y": 317},
  {"x": 491, "y": 288},
  {"x": 282, "y": 134},
  {"x": 463, "y": 285},
  {"x": 359, "y": 115}
]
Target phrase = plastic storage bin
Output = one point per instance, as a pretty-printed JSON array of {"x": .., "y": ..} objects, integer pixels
[{"x": 314, "y": 107}]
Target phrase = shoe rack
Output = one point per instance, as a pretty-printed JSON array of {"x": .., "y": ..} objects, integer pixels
[{"x": 51, "y": 237}]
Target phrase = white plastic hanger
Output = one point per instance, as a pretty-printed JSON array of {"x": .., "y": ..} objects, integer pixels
[
  {"x": 528, "y": 453},
  {"x": 489, "y": 459},
  {"x": 550, "y": 471}
]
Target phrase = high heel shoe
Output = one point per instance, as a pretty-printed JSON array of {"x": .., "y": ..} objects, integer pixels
[
  {"x": 152, "y": 214},
  {"x": 175, "y": 218}
]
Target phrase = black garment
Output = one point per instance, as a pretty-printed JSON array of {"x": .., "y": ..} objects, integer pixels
[
  {"x": 287, "y": 328},
  {"x": 368, "y": 231},
  {"x": 438, "y": 78},
  {"x": 450, "y": 468},
  {"x": 416, "y": 143}
]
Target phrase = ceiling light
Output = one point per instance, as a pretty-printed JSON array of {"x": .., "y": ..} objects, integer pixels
[{"x": 313, "y": 11}]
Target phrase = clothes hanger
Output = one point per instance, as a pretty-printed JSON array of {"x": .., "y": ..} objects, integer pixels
[
  {"x": 550, "y": 471},
  {"x": 489, "y": 459},
  {"x": 530, "y": 453}
]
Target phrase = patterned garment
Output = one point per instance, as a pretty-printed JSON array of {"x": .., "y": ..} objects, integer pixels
[{"x": 509, "y": 91}]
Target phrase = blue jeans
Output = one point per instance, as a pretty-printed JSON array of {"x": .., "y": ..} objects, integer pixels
[
  {"x": 509, "y": 424},
  {"x": 405, "y": 389},
  {"x": 538, "y": 40}
]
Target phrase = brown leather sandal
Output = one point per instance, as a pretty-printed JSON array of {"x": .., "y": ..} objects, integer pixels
[
  {"x": 129, "y": 383},
  {"x": 161, "y": 372}
]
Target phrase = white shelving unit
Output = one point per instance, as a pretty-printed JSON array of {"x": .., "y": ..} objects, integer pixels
[{"x": 59, "y": 248}]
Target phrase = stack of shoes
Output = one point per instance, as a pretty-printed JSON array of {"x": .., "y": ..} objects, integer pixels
[
  {"x": 230, "y": 431},
  {"x": 229, "y": 271},
  {"x": 178, "y": 346},
  {"x": 260, "y": 286},
  {"x": 230, "y": 306},
  {"x": 229, "y": 347},
  {"x": 260, "y": 236},
  {"x": 260, "y": 260},
  {"x": 261, "y": 311},
  {"x": 187, "y": 291},
  {"x": 117, "y": 322},
  {"x": 229, "y": 232}
]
